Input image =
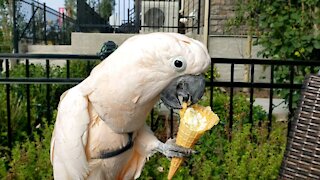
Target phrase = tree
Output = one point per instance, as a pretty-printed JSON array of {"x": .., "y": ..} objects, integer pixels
[
  {"x": 5, "y": 26},
  {"x": 285, "y": 29},
  {"x": 71, "y": 8},
  {"x": 103, "y": 7},
  {"x": 106, "y": 7}
]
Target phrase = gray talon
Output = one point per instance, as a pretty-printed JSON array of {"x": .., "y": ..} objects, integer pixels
[{"x": 170, "y": 149}]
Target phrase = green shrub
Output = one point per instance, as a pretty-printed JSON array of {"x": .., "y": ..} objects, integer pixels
[
  {"x": 241, "y": 108},
  {"x": 252, "y": 155},
  {"x": 3, "y": 169},
  {"x": 18, "y": 101},
  {"x": 32, "y": 154},
  {"x": 38, "y": 97},
  {"x": 287, "y": 30},
  {"x": 31, "y": 159}
]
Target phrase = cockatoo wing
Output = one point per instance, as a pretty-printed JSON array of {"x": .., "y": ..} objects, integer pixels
[{"x": 69, "y": 138}]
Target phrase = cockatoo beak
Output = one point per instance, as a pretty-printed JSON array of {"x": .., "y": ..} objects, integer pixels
[{"x": 187, "y": 88}]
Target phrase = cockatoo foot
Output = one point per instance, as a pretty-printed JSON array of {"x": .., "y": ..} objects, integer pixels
[{"x": 170, "y": 149}]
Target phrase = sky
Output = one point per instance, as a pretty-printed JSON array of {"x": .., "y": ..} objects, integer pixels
[{"x": 54, "y": 4}]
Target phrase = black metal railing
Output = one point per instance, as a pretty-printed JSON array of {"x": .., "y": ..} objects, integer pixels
[
  {"x": 36, "y": 23},
  {"x": 39, "y": 24},
  {"x": 157, "y": 16},
  {"x": 291, "y": 84},
  {"x": 25, "y": 81},
  {"x": 55, "y": 79}
]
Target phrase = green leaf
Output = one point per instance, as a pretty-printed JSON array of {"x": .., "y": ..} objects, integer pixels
[{"x": 316, "y": 44}]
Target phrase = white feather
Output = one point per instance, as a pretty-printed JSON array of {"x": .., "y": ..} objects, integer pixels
[{"x": 67, "y": 147}]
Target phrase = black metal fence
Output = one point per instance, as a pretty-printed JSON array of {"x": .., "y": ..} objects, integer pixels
[
  {"x": 31, "y": 89},
  {"x": 39, "y": 24},
  {"x": 143, "y": 17},
  {"x": 22, "y": 86},
  {"x": 157, "y": 16},
  {"x": 292, "y": 84}
]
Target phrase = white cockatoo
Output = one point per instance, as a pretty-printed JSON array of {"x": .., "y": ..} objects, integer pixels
[{"x": 100, "y": 130}]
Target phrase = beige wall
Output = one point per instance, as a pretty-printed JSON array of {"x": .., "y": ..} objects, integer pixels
[
  {"x": 219, "y": 46},
  {"x": 86, "y": 43},
  {"x": 235, "y": 47}
]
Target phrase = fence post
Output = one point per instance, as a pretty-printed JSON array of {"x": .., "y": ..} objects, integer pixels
[
  {"x": 45, "y": 24},
  {"x": 128, "y": 18},
  {"x": 48, "y": 92},
  {"x": 211, "y": 83},
  {"x": 63, "y": 29},
  {"x": 137, "y": 10},
  {"x": 199, "y": 17},
  {"x": 206, "y": 22},
  {"x": 270, "y": 100},
  {"x": 290, "y": 104},
  {"x": 231, "y": 104},
  {"x": 34, "y": 39},
  {"x": 251, "y": 94},
  {"x": 15, "y": 29},
  {"x": 29, "y": 128},
  {"x": 8, "y": 104},
  {"x": 79, "y": 8}
]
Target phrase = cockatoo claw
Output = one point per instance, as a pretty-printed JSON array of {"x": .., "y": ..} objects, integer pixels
[{"x": 170, "y": 149}]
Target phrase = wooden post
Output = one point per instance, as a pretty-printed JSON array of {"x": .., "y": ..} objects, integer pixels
[{"x": 206, "y": 22}]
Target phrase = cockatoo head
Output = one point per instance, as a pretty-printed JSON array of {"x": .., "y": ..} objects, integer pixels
[
  {"x": 176, "y": 64},
  {"x": 185, "y": 59},
  {"x": 148, "y": 67}
]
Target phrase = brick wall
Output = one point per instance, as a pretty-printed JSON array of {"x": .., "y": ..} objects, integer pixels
[{"x": 220, "y": 12}]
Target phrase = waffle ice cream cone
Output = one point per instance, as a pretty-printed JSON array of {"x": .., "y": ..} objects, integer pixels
[{"x": 194, "y": 121}]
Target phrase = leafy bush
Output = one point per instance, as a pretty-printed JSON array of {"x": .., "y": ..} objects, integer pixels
[
  {"x": 19, "y": 124},
  {"x": 38, "y": 97},
  {"x": 30, "y": 159},
  {"x": 3, "y": 169},
  {"x": 18, "y": 101},
  {"x": 285, "y": 30},
  {"x": 253, "y": 155}
]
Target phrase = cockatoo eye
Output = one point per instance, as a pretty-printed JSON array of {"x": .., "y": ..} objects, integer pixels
[{"x": 179, "y": 64}]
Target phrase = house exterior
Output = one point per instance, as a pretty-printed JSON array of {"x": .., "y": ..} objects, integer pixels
[
  {"x": 182, "y": 16},
  {"x": 192, "y": 14}
]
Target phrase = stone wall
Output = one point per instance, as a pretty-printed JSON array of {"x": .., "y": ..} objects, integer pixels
[{"x": 220, "y": 12}]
